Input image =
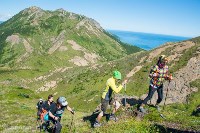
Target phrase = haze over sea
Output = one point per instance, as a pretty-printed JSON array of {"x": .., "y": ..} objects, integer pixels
[{"x": 145, "y": 41}]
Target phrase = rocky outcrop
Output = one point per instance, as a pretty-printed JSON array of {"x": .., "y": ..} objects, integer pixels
[
  {"x": 88, "y": 57},
  {"x": 14, "y": 40},
  {"x": 34, "y": 14},
  {"x": 91, "y": 25},
  {"x": 57, "y": 42},
  {"x": 28, "y": 47}
]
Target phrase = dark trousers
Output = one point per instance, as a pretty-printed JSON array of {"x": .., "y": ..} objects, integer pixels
[
  {"x": 38, "y": 115},
  {"x": 151, "y": 92},
  {"x": 58, "y": 127}
]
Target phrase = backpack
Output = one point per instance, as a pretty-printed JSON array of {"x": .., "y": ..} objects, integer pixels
[
  {"x": 44, "y": 115},
  {"x": 39, "y": 105}
]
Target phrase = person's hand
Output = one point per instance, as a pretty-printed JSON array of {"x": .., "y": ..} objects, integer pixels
[
  {"x": 55, "y": 118},
  {"x": 124, "y": 82},
  {"x": 155, "y": 75},
  {"x": 170, "y": 77},
  {"x": 73, "y": 112}
]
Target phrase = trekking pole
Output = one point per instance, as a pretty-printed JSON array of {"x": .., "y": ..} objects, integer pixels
[
  {"x": 166, "y": 94},
  {"x": 115, "y": 109},
  {"x": 72, "y": 124},
  {"x": 70, "y": 128},
  {"x": 125, "y": 95}
]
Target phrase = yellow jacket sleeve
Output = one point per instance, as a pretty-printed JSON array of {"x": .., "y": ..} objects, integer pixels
[{"x": 113, "y": 86}]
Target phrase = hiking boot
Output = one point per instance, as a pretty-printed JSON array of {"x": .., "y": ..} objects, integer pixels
[
  {"x": 158, "y": 108},
  {"x": 141, "y": 109},
  {"x": 113, "y": 117},
  {"x": 96, "y": 124}
]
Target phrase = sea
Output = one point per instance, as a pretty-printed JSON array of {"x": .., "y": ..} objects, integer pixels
[{"x": 145, "y": 41}]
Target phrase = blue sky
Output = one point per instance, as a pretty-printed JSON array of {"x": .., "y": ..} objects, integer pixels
[{"x": 172, "y": 17}]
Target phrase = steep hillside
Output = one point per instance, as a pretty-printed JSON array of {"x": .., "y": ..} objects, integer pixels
[
  {"x": 73, "y": 57},
  {"x": 82, "y": 87},
  {"x": 34, "y": 37}
]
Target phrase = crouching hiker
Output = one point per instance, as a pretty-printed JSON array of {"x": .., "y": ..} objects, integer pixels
[
  {"x": 106, "y": 98},
  {"x": 56, "y": 111},
  {"x": 158, "y": 74}
]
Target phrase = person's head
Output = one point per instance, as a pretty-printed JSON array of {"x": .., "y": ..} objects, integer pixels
[
  {"x": 117, "y": 75},
  {"x": 50, "y": 98},
  {"x": 40, "y": 100},
  {"x": 162, "y": 61},
  {"x": 62, "y": 101}
]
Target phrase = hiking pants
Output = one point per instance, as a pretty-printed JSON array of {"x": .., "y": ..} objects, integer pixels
[
  {"x": 105, "y": 103},
  {"x": 58, "y": 127},
  {"x": 38, "y": 115},
  {"x": 151, "y": 92}
]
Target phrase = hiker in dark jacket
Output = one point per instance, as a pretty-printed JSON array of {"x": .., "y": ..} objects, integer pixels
[
  {"x": 56, "y": 111},
  {"x": 39, "y": 107},
  {"x": 158, "y": 74},
  {"x": 44, "y": 108},
  {"x": 46, "y": 105}
]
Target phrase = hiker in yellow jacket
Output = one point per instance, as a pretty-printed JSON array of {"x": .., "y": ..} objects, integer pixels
[{"x": 106, "y": 98}]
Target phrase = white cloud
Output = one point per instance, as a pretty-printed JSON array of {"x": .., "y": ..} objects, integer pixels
[{"x": 4, "y": 17}]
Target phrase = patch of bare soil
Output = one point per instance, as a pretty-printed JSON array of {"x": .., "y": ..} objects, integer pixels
[
  {"x": 75, "y": 45},
  {"x": 133, "y": 71},
  {"x": 91, "y": 57},
  {"x": 62, "y": 48},
  {"x": 13, "y": 39},
  {"x": 158, "y": 51},
  {"x": 28, "y": 47},
  {"x": 79, "y": 61},
  {"x": 142, "y": 59},
  {"x": 179, "y": 47},
  {"x": 47, "y": 86}
]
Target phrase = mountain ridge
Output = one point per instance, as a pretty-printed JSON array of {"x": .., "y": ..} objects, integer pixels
[
  {"x": 47, "y": 72},
  {"x": 47, "y": 31}
]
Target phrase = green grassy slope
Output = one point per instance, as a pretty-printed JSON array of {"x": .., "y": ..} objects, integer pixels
[
  {"x": 40, "y": 27},
  {"x": 82, "y": 86}
]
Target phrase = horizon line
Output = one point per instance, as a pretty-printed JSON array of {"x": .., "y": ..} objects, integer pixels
[
  {"x": 139, "y": 32},
  {"x": 152, "y": 33}
]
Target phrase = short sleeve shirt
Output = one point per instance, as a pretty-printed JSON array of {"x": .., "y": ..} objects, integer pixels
[{"x": 57, "y": 111}]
